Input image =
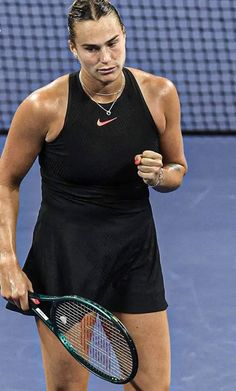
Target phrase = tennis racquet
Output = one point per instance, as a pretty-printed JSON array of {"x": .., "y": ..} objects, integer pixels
[{"x": 91, "y": 334}]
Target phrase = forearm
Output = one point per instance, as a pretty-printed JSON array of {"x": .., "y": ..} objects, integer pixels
[
  {"x": 170, "y": 177},
  {"x": 9, "y": 201},
  {"x": 14, "y": 284}
]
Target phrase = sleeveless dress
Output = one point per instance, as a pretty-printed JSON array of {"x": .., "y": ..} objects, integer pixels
[{"x": 95, "y": 236}]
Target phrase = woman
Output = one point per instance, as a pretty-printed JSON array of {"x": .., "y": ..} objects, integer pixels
[{"x": 103, "y": 135}]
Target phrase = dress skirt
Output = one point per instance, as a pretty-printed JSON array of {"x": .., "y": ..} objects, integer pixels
[{"x": 100, "y": 244}]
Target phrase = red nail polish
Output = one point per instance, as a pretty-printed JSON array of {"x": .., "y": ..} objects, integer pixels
[{"x": 35, "y": 301}]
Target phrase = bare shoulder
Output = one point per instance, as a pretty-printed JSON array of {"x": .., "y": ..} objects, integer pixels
[
  {"x": 40, "y": 111},
  {"x": 31, "y": 124},
  {"x": 43, "y": 109},
  {"x": 48, "y": 98},
  {"x": 160, "y": 96},
  {"x": 156, "y": 86}
]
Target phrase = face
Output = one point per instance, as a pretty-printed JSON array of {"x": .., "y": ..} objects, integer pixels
[{"x": 100, "y": 48}]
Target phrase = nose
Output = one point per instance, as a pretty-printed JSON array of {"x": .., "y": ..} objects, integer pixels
[{"x": 105, "y": 55}]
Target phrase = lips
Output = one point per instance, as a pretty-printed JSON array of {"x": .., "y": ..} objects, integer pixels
[{"x": 106, "y": 70}]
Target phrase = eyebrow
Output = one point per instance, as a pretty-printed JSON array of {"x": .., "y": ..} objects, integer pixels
[{"x": 94, "y": 45}]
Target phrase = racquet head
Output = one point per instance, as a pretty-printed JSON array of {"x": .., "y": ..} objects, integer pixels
[{"x": 94, "y": 336}]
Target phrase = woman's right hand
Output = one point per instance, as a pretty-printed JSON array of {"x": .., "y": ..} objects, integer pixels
[{"x": 15, "y": 285}]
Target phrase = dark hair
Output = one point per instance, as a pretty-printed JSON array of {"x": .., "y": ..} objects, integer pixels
[{"x": 90, "y": 10}]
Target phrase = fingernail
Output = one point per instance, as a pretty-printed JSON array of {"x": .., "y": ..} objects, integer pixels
[
  {"x": 35, "y": 301},
  {"x": 137, "y": 160}
]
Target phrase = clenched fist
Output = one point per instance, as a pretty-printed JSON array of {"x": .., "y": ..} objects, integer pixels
[{"x": 149, "y": 165}]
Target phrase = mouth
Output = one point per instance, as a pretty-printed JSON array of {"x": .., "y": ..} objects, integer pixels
[{"x": 106, "y": 71}]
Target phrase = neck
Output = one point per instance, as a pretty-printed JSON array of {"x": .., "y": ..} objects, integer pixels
[{"x": 103, "y": 89}]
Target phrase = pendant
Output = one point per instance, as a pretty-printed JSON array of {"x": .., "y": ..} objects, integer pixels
[{"x": 108, "y": 112}]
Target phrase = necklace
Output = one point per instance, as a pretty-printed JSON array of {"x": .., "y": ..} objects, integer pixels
[
  {"x": 108, "y": 112},
  {"x": 118, "y": 93},
  {"x": 110, "y": 94}
]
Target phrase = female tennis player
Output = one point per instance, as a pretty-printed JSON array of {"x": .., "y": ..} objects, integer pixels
[{"x": 103, "y": 135}]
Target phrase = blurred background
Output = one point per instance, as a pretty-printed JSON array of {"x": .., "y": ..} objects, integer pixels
[{"x": 191, "y": 42}]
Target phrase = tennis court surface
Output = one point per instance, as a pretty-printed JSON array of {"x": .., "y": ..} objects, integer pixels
[{"x": 196, "y": 228}]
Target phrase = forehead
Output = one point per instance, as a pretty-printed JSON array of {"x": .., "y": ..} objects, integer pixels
[{"x": 97, "y": 32}]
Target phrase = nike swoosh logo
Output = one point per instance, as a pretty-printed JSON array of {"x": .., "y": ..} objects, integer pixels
[{"x": 102, "y": 123}]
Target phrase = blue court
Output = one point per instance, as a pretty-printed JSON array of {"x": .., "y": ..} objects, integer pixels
[{"x": 196, "y": 228}]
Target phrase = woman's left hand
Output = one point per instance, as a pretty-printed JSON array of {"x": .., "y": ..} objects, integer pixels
[{"x": 149, "y": 165}]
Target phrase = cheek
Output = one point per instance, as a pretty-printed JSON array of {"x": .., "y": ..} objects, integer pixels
[
  {"x": 120, "y": 52},
  {"x": 88, "y": 60}
]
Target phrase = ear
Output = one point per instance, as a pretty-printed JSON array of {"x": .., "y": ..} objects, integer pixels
[{"x": 72, "y": 48}]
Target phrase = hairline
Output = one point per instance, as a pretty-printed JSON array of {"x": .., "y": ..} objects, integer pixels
[{"x": 72, "y": 21}]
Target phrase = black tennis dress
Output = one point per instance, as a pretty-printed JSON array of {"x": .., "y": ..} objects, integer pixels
[{"x": 95, "y": 236}]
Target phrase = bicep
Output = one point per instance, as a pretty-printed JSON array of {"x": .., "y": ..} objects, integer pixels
[
  {"x": 23, "y": 143},
  {"x": 171, "y": 140}
]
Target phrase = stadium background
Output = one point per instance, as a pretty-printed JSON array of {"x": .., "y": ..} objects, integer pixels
[{"x": 191, "y": 42}]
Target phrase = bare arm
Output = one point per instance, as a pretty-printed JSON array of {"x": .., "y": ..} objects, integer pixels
[
  {"x": 26, "y": 135},
  {"x": 165, "y": 171}
]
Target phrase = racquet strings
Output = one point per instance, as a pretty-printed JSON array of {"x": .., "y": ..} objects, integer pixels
[{"x": 95, "y": 338}]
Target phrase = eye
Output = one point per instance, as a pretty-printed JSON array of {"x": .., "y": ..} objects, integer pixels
[
  {"x": 113, "y": 43},
  {"x": 91, "y": 49}
]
